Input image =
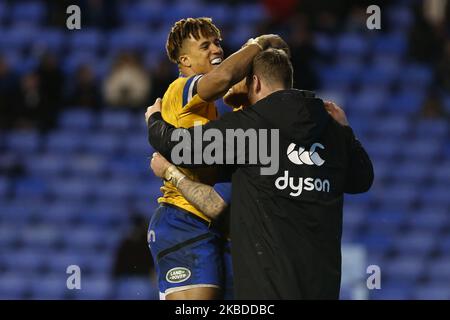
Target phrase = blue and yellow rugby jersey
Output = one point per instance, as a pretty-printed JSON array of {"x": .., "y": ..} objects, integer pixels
[{"x": 181, "y": 107}]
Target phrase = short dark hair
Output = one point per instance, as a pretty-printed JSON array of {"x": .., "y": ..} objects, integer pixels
[
  {"x": 274, "y": 66},
  {"x": 185, "y": 28}
]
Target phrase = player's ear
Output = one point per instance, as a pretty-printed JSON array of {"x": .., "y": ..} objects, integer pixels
[
  {"x": 185, "y": 61},
  {"x": 256, "y": 83}
]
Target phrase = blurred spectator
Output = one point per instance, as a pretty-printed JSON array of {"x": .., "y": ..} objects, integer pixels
[
  {"x": 443, "y": 68},
  {"x": 133, "y": 256},
  {"x": 8, "y": 88},
  {"x": 425, "y": 44},
  {"x": 303, "y": 52},
  {"x": 85, "y": 92},
  {"x": 280, "y": 10},
  {"x": 432, "y": 107},
  {"x": 128, "y": 84},
  {"x": 29, "y": 110},
  {"x": 162, "y": 76},
  {"x": 51, "y": 84}
]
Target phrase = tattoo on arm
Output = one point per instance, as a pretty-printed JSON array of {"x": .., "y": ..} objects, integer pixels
[{"x": 203, "y": 197}]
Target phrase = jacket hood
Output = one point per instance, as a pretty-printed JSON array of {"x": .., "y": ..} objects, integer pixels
[{"x": 298, "y": 114}]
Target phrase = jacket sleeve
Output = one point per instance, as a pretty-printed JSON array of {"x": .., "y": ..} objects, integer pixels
[
  {"x": 360, "y": 173},
  {"x": 186, "y": 147}
]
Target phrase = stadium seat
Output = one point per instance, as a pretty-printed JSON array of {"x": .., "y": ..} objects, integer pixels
[
  {"x": 439, "y": 269},
  {"x": 416, "y": 76},
  {"x": 116, "y": 120},
  {"x": 103, "y": 143},
  {"x": 94, "y": 288},
  {"x": 404, "y": 268},
  {"x": 87, "y": 165},
  {"x": 51, "y": 39},
  {"x": 407, "y": 102},
  {"x": 29, "y": 187},
  {"x": 432, "y": 220},
  {"x": 8, "y": 235},
  {"x": 432, "y": 291},
  {"x": 25, "y": 261},
  {"x": 413, "y": 172},
  {"x": 139, "y": 288},
  {"x": 28, "y": 13},
  {"x": 18, "y": 38},
  {"x": 70, "y": 189},
  {"x": 417, "y": 242},
  {"x": 40, "y": 237},
  {"x": 77, "y": 118},
  {"x": 23, "y": 141},
  {"x": 13, "y": 286},
  {"x": 394, "y": 44},
  {"x": 352, "y": 44},
  {"x": 86, "y": 39},
  {"x": 49, "y": 287},
  {"x": 392, "y": 291},
  {"x": 64, "y": 141}
]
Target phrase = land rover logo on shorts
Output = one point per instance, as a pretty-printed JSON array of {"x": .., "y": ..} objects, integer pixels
[{"x": 177, "y": 275}]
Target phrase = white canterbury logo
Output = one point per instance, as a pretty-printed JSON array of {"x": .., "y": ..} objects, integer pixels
[{"x": 302, "y": 156}]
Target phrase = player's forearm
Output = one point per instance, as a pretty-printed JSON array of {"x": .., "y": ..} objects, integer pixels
[
  {"x": 201, "y": 196},
  {"x": 233, "y": 69}
]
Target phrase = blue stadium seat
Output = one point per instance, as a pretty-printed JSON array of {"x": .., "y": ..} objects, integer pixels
[
  {"x": 383, "y": 220},
  {"x": 426, "y": 219},
  {"x": 421, "y": 150},
  {"x": 142, "y": 13},
  {"x": 61, "y": 260},
  {"x": 436, "y": 195},
  {"x": 439, "y": 269},
  {"x": 369, "y": 101},
  {"x": 116, "y": 120},
  {"x": 84, "y": 238},
  {"x": 61, "y": 212},
  {"x": 442, "y": 175},
  {"x": 103, "y": 143},
  {"x": 30, "y": 12},
  {"x": 137, "y": 144},
  {"x": 114, "y": 189},
  {"x": 416, "y": 76},
  {"x": 99, "y": 263},
  {"x": 379, "y": 241},
  {"x": 392, "y": 291},
  {"x": 324, "y": 43},
  {"x": 105, "y": 213},
  {"x": 239, "y": 36},
  {"x": 352, "y": 44},
  {"x": 139, "y": 288},
  {"x": 77, "y": 118},
  {"x": 336, "y": 76},
  {"x": 124, "y": 39},
  {"x": 87, "y": 165},
  {"x": 8, "y": 235},
  {"x": 382, "y": 148},
  {"x": 49, "y": 287},
  {"x": 221, "y": 13},
  {"x": 50, "y": 39},
  {"x": 76, "y": 59},
  {"x": 251, "y": 13},
  {"x": 70, "y": 189},
  {"x": 40, "y": 237},
  {"x": 29, "y": 187},
  {"x": 403, "y": 193},
  {"x": 406, "y": 102},
  {"x": 394, "y": 44},
  {"x": 418, "y": 243},
  {"x": 18, "y": 38},
  {"x": 24, "y": 260},
  {"x": 18, "y": 212},
  {"x": 45, "y": 165},
  {"x": 392, "y": 126},
  {"x": 64, "y": 142},
  {"x": 404, "y": 268},
  {"x": 26, "y": 141},
  {"x": 94, "y": 288},
  {"x": 86, "y": 39},
  {"x": 13, "y": 286},
  {"x": 400, "y": 16},
  {"x": 436, "y": 128},
  {"x": 432, "y": 291},
  {"x": 411, "y": 172},
  {"x": 377, "y": 77},
  {"x": 4, "y": 186}
]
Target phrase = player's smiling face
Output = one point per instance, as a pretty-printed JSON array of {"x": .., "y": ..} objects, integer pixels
[{"x": 202, "y": 55}]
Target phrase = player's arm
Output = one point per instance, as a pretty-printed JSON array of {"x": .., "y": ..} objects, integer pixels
[
  {"x": 360, "y": 174},
  {"x": 171, "y": 141},
  {"x": 201, "y": 196},
  {"x": 216, "y": 83}
]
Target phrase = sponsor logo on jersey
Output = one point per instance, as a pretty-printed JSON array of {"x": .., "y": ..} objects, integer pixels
[{"x": 178, "y": 274}]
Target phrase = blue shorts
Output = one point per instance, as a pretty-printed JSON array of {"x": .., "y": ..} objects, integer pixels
[{"x": 188, "y": 253}]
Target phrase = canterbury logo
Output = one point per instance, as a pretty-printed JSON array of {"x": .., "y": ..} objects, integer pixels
[{"x": 301, "y": 156}]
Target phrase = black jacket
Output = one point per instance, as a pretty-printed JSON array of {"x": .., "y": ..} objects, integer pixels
[{"x": 286, "y": 228}]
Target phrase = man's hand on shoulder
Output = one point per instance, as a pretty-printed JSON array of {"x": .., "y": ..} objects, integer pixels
[
  {"x": 156, "y": 107},
  {"x": 336, "y": 112}
]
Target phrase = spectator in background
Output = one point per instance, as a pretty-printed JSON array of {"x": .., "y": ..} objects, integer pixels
[
  {"x": 85, "y": 92},
  {"x": 133, "y": 257},
  {"x": 303, "y": 52},
  {"x": 432, "y": 107},
  {"x": 51, "y": 84},
  {"x": 162, "y": 77},
  {"x": 29, "y": 107},
  {"x": 8, "y": 87},
  {"x": 128, "y": 84}
]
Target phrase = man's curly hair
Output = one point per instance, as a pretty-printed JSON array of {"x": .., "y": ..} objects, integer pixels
[{"x": 183, "y": 29}]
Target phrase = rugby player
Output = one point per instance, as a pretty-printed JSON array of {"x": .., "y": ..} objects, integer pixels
[{"x": 187, "y": 250}]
